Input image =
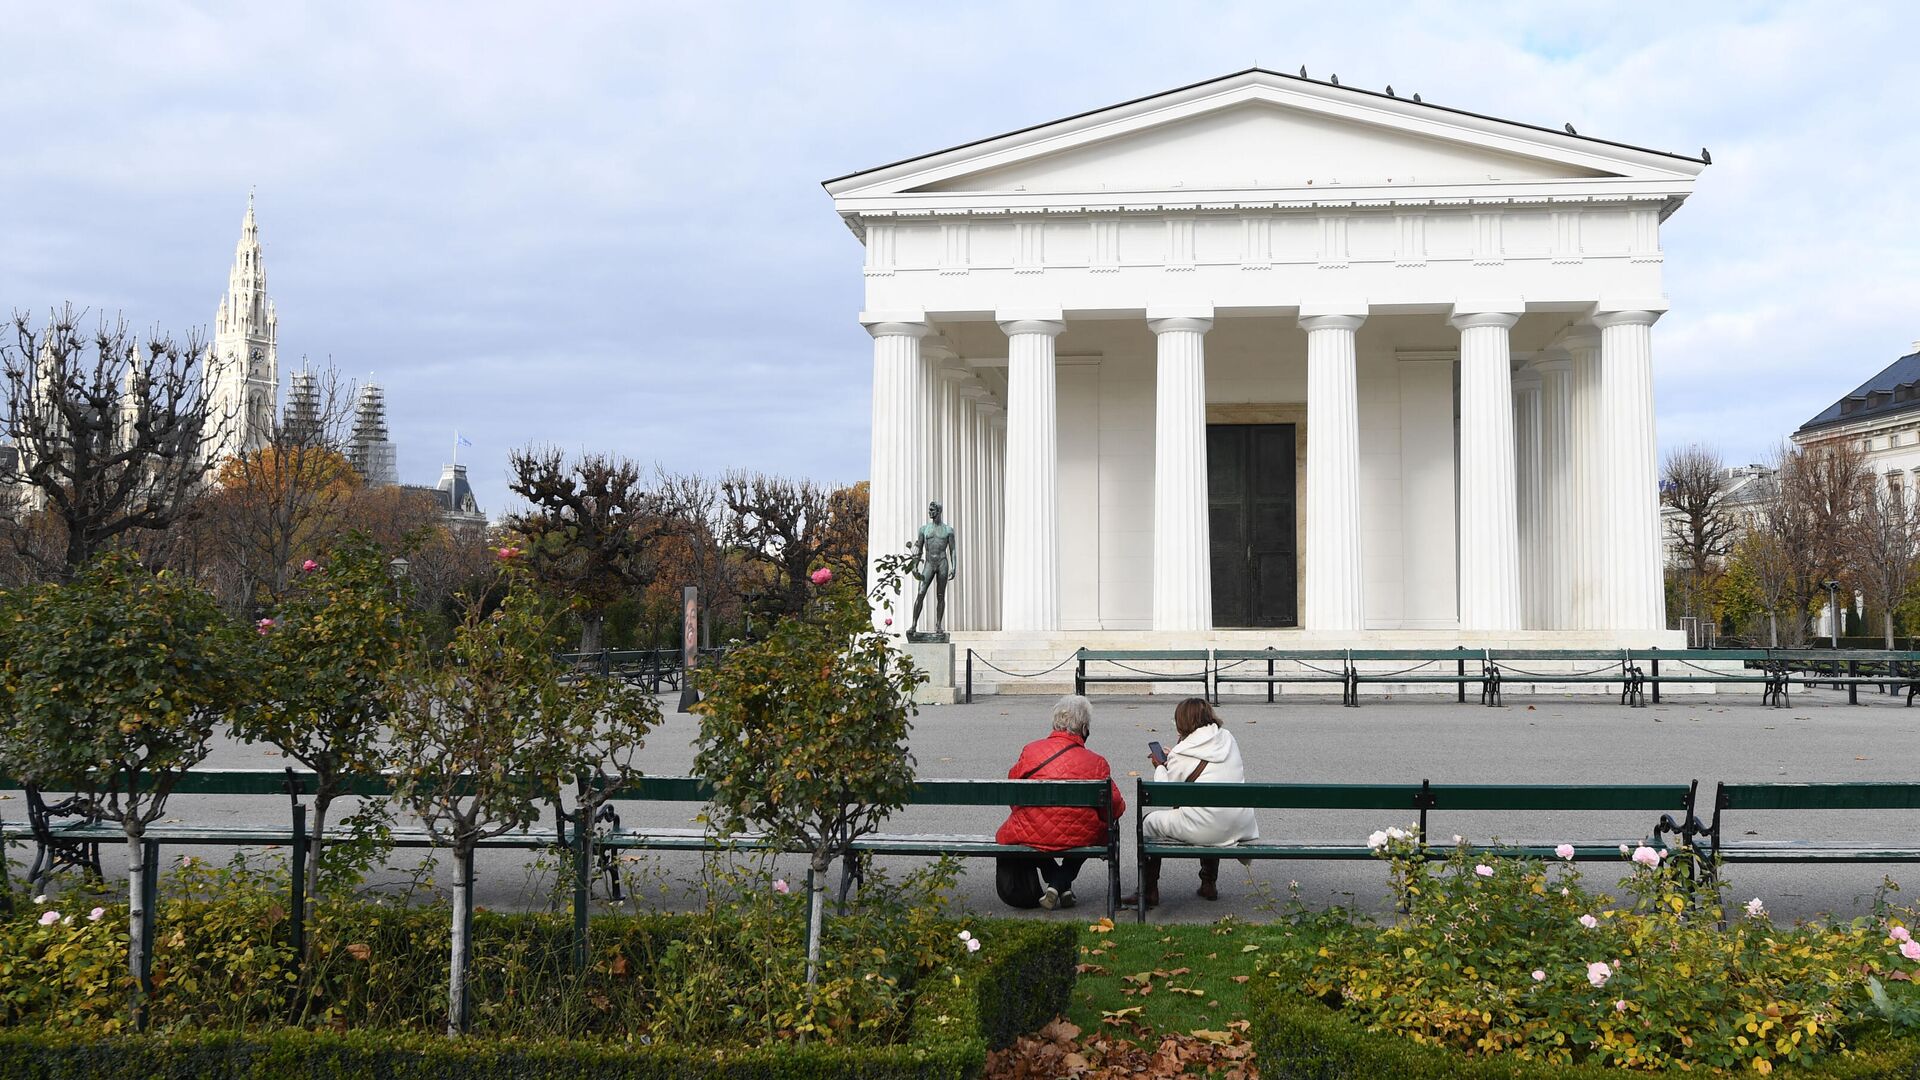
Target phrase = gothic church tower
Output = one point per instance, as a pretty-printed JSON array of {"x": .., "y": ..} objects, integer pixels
[{"x": 244, "y": 367}]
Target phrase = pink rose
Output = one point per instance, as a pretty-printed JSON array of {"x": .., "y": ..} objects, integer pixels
[
  {"x": 973, "y": 944},
  {"x": 1900, "y": 933},
  {"x": 889, "y": 621},
  {"x": 1565, "y": 851},
  {"x": 1910, "y": 950},
  {"x": 309, "y": 566},
  {"x": 48, "y": 918},
  {"x": 265, "y": 626},
  {"x": 1598, "y": 973},
  {"x": 94, "y": 915},
  {"x": 1619, "y": 1006},
  {"x": 780, "y": 886},
  {"x": 821, "y": 576},
  {"x": 1483, "y": 870},
  {"x": 1539, "y": 976},
  {"x": 509, "y": 552},
  {"x": 1646, "y": 856},
  {"x": 1589, "y": 921}
]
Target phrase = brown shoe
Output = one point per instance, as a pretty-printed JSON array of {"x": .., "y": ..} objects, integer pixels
[
  {"x": 1209, "y": 875},
  {"x": 1149, "y": 884}
]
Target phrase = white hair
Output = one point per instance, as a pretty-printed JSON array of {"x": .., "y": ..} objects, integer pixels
[{"x": 1073, "y": 713}]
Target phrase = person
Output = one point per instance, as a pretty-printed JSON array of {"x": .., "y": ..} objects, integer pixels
[
  {"x": 1205, "y": 754},
  {"x": 1062, "y": 755}
]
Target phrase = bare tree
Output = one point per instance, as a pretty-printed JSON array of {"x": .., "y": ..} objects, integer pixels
[
  {"x": 113, "y": 435},
  {"x": 1882, "y": 549},
  {"x": 784, "y": 525},
  {"x": 1819, "y": 490},
  {"x": 591, "y": 531},
  {"x": 1693, "y": 483},
  {"x": 698, "y": 555}
]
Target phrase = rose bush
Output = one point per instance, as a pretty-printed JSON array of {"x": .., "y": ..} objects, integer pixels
[{"x": 1518, "y": 957}]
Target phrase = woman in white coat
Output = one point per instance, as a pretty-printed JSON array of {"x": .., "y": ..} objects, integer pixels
[{"x": 1205, "y": 754}]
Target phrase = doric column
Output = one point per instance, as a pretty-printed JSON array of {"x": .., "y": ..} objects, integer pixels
[
  {"x": 1335, "y": 597},
  {"x": 1626, "y": 377},
  {"x": 1030, "y": 579},
  {"x": 1526, "y": 477},
  {"x": 1182, "y": 561},
  {"x": 951, "y": 490},
  {"x": 898, "y": 465},
  {"x": 997, "y": 520},
  {"x": 1489, "y": 532},
  {"x": 1557, "y": 491},
  {"x": 970, "y": 516},
  {"x": 1590, "y": 486}
]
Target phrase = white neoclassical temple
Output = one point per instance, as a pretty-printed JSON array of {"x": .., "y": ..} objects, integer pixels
[{"x": 1269, "y": 359}]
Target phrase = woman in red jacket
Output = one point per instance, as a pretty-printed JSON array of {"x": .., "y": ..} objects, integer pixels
[{"x": 1063, "y": 755}]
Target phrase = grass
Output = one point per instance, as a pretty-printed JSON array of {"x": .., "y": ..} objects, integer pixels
[{"x": 1178, "y": 978}]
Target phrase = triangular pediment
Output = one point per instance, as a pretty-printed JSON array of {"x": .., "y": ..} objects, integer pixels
[
  {"x": 1256, "y": 145},
  {"x": 1262, "y": 130}
]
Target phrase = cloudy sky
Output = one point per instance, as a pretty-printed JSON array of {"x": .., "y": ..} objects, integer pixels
[{"x": 601, "y": 226}]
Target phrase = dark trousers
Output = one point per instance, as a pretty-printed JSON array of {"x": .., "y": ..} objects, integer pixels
[
  {"x": 1020, "y": 879},
  {"x": 1060, "y": 873}
]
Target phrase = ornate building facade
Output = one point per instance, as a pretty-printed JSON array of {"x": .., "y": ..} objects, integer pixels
[{"x": 243, "y": 366}]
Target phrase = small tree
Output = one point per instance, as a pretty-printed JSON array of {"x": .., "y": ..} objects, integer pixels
[
  {"x": 804, "y": 734},
  {"x": 1700, "y": 532},
  {"x": 1882, "y": 549},
  {"x": 111, "y": 685},
  {"x": 328, "y": 651},
  {"x": 491, "y": 728}
]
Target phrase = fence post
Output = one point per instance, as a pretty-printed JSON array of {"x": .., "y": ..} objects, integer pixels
[
  {"x": 969, "y": 676},
  {"x": 1853, "y": 688},
  {"x": 582, "y": 863},
  {"x": 1655, "y": 665},
  {"x": 298, "y": 889},
  {"x": 1460, "y": 669},
  {"x": 1269, "y": 680},
  {"x": 1080, "y": 674}
]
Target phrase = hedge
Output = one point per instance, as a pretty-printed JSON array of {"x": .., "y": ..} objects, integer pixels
[
  {"x": 1025, "y": 982},
  {"x": 1299, "y": 1038}
]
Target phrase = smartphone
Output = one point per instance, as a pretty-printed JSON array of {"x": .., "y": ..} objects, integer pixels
[{"x": 1157, "y": 752}]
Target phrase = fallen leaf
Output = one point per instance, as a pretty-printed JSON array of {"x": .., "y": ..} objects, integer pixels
[
  {"x": 359, "y": 951},
  {"x": 1241, "y": 978}
]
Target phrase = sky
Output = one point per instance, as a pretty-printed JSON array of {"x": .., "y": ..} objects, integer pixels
[{"x": 600, "y": 226}]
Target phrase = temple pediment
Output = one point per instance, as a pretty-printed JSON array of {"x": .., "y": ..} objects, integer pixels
[{"x": 1258, "y": 130}]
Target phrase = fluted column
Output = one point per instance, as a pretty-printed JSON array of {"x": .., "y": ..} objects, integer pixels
[
  {"x": 1335, "y": 593},
  {"x": 1030, "y": 579},
  {"x": 1526, "y": 475},
  {"x": 951, "y": 491},
  {"x": 1489, "y": 531},
  {"x": 997, "y": 520},
  {"x": 898, "y": 465},
  {"x": 969, "y": 516},
  {"x": 1182, "y": 561},
  {"x": 1637, "y": 593},
  {"x": 1591, "y": 542},
  {"x": 1557, "y": 491}
]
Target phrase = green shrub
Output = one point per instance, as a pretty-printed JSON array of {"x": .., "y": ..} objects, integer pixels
[
  {"x": 1297, "y": 1038},
  {"x": 1021, "y": 980},
  {"x": 1515, "y": 960}
]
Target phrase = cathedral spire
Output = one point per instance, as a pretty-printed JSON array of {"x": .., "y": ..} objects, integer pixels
[{"x": 244, "y": 363}]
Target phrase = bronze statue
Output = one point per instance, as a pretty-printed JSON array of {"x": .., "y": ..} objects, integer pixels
[{"x": 937, "y": 547}]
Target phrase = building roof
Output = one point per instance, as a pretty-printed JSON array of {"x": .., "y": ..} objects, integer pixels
[
  {"x": 1896, "y": 389},
  {"x": 1407, "y": 100}
]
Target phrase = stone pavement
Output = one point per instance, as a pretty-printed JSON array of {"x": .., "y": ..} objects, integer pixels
[{"x": 1535, "y": 739}]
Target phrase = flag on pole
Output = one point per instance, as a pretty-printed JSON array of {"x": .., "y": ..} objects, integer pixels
[{"x": 461, "y": 440}]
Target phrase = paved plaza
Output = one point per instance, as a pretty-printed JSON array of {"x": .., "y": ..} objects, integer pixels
[{"x": 1404, "y": 740}]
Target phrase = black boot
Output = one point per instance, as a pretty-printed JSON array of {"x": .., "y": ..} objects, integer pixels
[
  {"x": 1149, "y": 884},
  {"x": 1209, "y": 874}
]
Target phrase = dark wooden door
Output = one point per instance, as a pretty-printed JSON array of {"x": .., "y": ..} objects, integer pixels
[{"x": 1250, "y": 517}]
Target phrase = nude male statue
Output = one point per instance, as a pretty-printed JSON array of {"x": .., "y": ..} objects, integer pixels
[{"x": 937, "y": 549}]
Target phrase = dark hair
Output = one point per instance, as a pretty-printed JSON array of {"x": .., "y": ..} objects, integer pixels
[{"x": 1193, "y": 714}]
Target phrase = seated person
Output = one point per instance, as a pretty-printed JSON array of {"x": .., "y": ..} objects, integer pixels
[
  {"x": 1206, "y": 754},
  {"x": 1063, "y": 755}
]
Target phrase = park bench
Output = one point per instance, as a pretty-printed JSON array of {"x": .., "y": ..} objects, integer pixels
[
  {"x": 1420, "y": 799},
  {"x": 1300, "y": 666},
  {"x": 1687, "y": 666},
  {"x": 1735, "y": 800},
  {"x": 1851, "y": 669},
  {"x": 1604, "y": 667},
  {"x": 1118, "y": 667},
  {"x": 1408, "y": 666}
]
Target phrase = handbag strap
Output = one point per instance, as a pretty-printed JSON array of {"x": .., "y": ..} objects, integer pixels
[
  {"x": 1195, "y": 774},
  {"x": 1028, "y": 775}
]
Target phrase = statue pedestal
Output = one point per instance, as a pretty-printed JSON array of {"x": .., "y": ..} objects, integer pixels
[{"x": 936, "y": 659}]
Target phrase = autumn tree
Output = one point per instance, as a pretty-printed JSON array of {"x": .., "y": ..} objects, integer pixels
[
  {"x": 591, "y": 531},
  {"x": 113, "y": 435},
  {"x": 1882, "y": 548},
  {"x": 695, "y": 553},
  {"x": 1700, "y": 531}
]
